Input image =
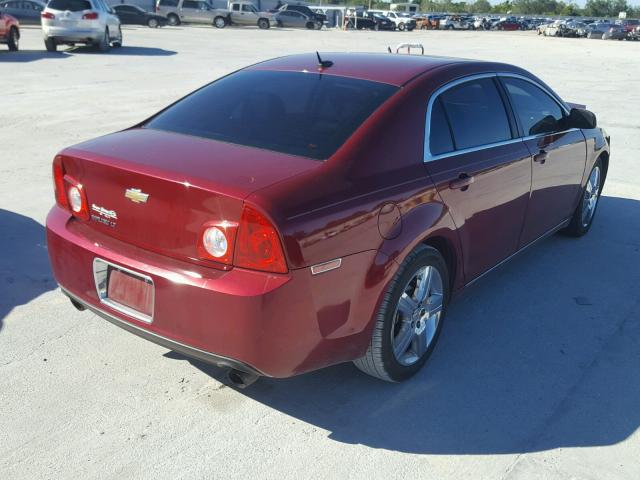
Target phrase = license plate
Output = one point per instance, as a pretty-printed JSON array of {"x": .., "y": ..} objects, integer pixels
[{"x": 124, "y": 290}]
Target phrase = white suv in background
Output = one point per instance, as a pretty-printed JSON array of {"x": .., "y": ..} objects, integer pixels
[{"x": 90, "y": 22}]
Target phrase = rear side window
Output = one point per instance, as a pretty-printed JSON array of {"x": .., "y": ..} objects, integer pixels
[
  {"x": 71, "y": 5},
  {"x": 537, "y": 111},
  {"x": 440, "y": 140},
  {"x": 306, "y": 114},
  {"x": 476, "y": 114},
  {"x": 168, "y": 3}
]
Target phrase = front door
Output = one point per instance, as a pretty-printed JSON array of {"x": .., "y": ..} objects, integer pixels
[
  {"x": 480, "y": 168},
  {"x": 558, "y": 156}
]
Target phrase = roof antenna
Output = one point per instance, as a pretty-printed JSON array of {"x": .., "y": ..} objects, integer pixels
[
  {"x": 323, "y": 63},
  {"x": 389, "y": 50}
]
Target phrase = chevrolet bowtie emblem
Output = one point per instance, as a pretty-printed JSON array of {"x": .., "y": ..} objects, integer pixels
[{"x": 136, "y": 195}]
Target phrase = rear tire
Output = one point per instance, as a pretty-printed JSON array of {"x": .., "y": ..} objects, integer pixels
[
  {"x": 118, "y": 43},
  {"x": 104, "y": 45},
  {"x": 13, "y": 41},
  {"x": 219, "y": 22},
  {"x": 50, "y": 44},
  {"x": 405, "y": 332},
  {"x": 589, "y": 199},
  {"x": 173, "y": 20}
]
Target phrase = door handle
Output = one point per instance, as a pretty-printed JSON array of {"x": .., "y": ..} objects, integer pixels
[
  {"x": 462, "y": 183},
  {"x": 540, "y": 157}
]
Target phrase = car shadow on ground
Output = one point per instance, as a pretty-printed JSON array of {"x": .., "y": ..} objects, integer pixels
[
  {"x": 25, "y": 56},
  {"x": 123, "y": 51},
  {"x": 543, "y": 353},
  {"x": 24, "y": 264}
]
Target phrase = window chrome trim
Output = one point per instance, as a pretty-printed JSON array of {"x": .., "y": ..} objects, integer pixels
[{"x": 428, "y": 157}]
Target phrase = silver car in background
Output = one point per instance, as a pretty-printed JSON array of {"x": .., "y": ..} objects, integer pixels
[{"x": 89, "y": 22}]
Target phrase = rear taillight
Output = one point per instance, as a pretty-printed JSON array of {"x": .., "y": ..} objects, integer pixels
[
  {"x": 70, "y": 194},
  {"x": 58, "y": 183},
  {"x": 76, "y": 198},
  {"x": 258, "y": 245},
  {"x": 216, "y": 241},
  {"x": 90, "y": 16},
  {"x": 253, "y": 243},
  {"x": 48, "y": 15}
]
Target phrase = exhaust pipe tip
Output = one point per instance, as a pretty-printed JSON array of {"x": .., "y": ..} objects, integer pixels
[
  {"x": 241, "y": 379},
  {"x": 78, "y": 305}
]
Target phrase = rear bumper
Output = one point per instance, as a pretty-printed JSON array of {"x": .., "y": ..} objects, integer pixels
[
  {"x": 192, "y": 352},
  {"x": 273, "y": 325},
  {"x": 64, "y": 34}
]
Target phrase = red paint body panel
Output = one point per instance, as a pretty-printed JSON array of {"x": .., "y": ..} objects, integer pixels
[
  {"x": 370, "y": 204},
  {"x": 6, "y": 22}
]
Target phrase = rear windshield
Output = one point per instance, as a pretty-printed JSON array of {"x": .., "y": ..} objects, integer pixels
[
  {"x": 71, "y": 5},
  {"x": 306, "y": 114}
]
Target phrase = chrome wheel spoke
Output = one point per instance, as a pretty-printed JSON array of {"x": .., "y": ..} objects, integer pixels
[
  {"x": 407, "y": 305},
  {"x": 403, "y": 340},
  {"x": 434, "y": 303},
  {"x": 424, "y": 284},
  {"x": 420, "y": 343}
]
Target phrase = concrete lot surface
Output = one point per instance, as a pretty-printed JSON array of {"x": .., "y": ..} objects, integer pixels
[{"x": 536, "y": 375}]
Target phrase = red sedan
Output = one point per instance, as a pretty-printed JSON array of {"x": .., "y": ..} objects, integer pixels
[
  {"x": 294, "y": 215},
  {"x": 9, "y": 31}
]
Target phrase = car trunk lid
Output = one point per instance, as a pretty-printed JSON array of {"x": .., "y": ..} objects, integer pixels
[{"x": 156, "y": 189}]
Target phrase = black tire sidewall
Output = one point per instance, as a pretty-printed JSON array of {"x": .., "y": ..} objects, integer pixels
[
  {"x": 13, "y": 45},
  {"x": 424, "y": 257}
]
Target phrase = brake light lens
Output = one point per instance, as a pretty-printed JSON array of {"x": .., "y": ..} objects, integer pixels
[
  {"x": 58, "y": 183},
  {"x": 90, "y": 16},
  {"x": 258, "y": 245},
  {"x": 70, "y": 194},
  {"x": 48, "y": 15},
  {"x": 253, "y": 243}
]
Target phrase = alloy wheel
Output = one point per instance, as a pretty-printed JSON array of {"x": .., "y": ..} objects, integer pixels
[
  {"x": 417, "y": 316},
  {"x": 591, "y": 195}
]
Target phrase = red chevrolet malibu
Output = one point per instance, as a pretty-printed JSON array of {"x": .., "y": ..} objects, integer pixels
[{"x": 298, "y": 214}]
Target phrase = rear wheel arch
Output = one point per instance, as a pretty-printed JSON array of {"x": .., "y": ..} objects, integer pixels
[{"x": 445, "y": 247}]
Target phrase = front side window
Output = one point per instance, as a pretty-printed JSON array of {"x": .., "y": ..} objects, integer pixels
[
  {"x": 476, "y": 114},
  {"x": 306, "y": 114},
  {"x": 537, "y": 111}
]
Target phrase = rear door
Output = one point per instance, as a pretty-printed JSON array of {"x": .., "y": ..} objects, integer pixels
[
  {"x": 190, "y": 11},
  {"x": 558, "y": 155},
  {"x": 480, "y": 168}
]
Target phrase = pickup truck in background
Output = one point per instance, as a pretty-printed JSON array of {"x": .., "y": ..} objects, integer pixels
[{"x": 199, "y": 11}]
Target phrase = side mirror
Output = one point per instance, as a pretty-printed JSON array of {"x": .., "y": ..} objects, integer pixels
[{"x": 581, "y": 118}]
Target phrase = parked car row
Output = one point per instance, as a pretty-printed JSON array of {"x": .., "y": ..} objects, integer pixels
[{"x": 600, "y": 29}]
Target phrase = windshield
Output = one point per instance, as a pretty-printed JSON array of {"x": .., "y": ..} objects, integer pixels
[{"x": 306, "y": 114}]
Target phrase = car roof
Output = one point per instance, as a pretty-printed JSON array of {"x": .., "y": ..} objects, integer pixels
[{"x": 394, "y": 69}]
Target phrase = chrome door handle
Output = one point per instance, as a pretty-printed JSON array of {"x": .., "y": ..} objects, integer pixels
[
  {"x": 462, "y": 183},
  {"x": 540, "y": 157}
]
